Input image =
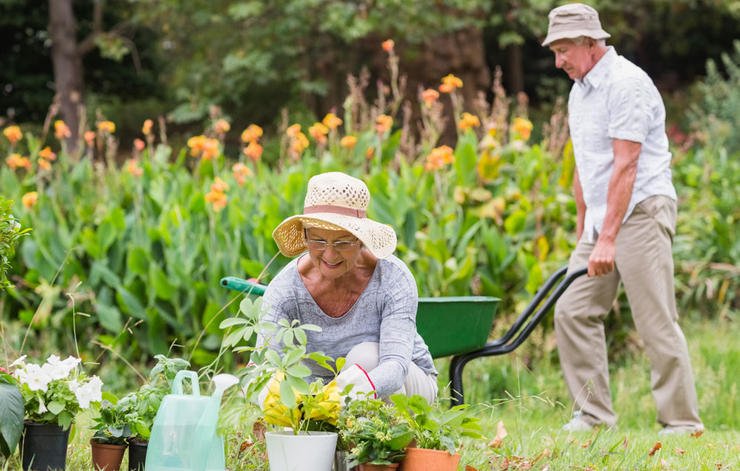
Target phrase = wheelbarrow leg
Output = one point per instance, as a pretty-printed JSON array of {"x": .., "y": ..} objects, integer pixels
[{"x": 457, "y": 364}]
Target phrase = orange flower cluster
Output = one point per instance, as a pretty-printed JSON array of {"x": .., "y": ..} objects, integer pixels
[
  {"x": 331, "y": 121},
  {"x": 429, "y": 96},
  {"x": 13, "y": 134},
  {"x": 106, "y": 127},
  {"x": 383, "y": 124},
  {"x": 468, "y": 121},
  {"x": 139, "y": 145},
  {"x": 318, "y": 132},
  {"x": 89, "y": 138},
  {"x": 203, "y": 147},
  {"x": 251, "y": 136},
  {"x": 61, "y": 130},
  {"x": 16, "y": 161},
  {"x": 388, "y": 45},
  {"x": 241, "y": 173},
  {"x": 29, "y": 199},
  {"x": 146, "y": 128},
  {"x": 450, "y": 83},
  {"x": 46, "y": 157},
  {"x": 439, "y": 157},
  {"x": 522, "y": 127},
  {"x": 133, "y": 168},
  {"x": 297, "y": 141},
  {"x": 348, "y": 142},
  {"x": 217, "y": 196}
]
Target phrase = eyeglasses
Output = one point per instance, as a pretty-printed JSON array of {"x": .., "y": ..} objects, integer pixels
[{"x": 338, "y": 245}]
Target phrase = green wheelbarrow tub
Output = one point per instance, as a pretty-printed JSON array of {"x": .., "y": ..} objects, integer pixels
[{"x": 455, "y": 325}]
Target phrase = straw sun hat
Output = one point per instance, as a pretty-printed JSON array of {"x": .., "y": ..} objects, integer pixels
[
  {"x": 335, "y": 201},
  {"x": 572, "y": 21}
]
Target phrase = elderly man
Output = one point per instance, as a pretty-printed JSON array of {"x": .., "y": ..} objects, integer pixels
[{"x": 626, "y": 216}]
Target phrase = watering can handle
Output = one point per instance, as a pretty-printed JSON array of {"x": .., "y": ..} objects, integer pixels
[{"x": 177, "y": 383}]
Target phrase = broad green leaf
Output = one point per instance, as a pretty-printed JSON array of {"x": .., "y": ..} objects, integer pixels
[{"x": 11, "y": 418}]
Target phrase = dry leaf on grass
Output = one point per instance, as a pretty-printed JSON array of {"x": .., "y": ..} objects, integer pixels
[
  {"x": 680, "y": 451},
  {"x": 655, "y": 448},
  {"x": 501, "y": 433},
  {"x": 697, "y": 434}
]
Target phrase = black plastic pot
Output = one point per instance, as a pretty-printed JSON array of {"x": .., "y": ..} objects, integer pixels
[
  {"x": 44, "y": 447},
  {"x": 136, "y": 455}
]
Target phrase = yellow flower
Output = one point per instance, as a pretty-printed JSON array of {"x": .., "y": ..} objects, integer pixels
[
  {"x": 450, "y": 83},
  {"x": 383, "y": 123},
  {"x": 318, "y": 132},
  {"x": 468, "y": 121},
  {"x": 146, "y": 128},
  {"x": 253, "y": 151},
  {"x": 241, "y": 173},
  {"x": 221, "y": 127},
  {"x": 47, "y": 154},
  {"x": 13, "y": 134},
  {"x": 252, "y": 133},
  {"x": 16, "y": 161},
  {"x": 488, "y": 166},
  {"x": 388, "y": 45},
  {"x": 429, "y": 96},
  {"x": 348, "y": 142},
  {"x": 132, "y": 167},
  {"x": 61, "y": 130},
  {"x": 331, "y": 121},
  {"x": 29, "y": 199},
  {"x": 106, "y": 127},
  {"x": 439, "y": 157},
  {"x": 522, "y": 127}
]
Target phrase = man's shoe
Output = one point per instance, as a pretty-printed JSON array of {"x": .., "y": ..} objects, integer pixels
[
  {"x": 681, "y": 429},
  {"x": 578, "y": 424}
]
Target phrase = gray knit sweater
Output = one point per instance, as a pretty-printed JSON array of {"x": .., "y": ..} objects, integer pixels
[{"x": 385, "y": 313}]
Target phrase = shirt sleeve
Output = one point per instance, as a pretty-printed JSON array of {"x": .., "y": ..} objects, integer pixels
[{"x": 629, "y": 110}]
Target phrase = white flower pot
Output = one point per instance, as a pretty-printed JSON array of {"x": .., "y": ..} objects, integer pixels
[{"x": 307, "y": 451}]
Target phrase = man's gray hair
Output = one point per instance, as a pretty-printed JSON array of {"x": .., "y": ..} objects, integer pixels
[{"x": 581, "y": 40}]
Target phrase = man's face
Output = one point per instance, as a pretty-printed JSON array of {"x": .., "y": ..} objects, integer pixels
[{"x": 575, "y": 59}]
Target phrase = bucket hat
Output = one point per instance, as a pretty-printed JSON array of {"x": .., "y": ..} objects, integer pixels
[
  {"x": 572, "y": 21},
  {"x": 335, "y": 201}
]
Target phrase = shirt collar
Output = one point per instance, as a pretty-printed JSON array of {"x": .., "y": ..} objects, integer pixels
[{"x": 598, "y": 73}]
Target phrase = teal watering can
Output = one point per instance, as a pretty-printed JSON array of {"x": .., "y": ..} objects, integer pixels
[{"x": 184, "y": 434}]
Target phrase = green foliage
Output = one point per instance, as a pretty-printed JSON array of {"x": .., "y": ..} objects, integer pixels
[
  {"x": 11, "y": 414},
  {"x": 10, "y": 233},
  {"x": 111, "y": 426}
]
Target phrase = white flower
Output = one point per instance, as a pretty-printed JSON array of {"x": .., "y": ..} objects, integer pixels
[
  {"x": 35, "y": 377},
  {"x": 42, "y": 407},
  {"x": 19, "y": 362},
  {"x": 58, "y": 369},
  {"x": 88, "y": 392}
]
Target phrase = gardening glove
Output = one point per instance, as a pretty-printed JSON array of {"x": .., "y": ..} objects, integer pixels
[{"x": 356, "y": 376}]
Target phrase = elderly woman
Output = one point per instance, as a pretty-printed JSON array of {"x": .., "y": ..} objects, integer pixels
[{"x": 347, "y": 281}]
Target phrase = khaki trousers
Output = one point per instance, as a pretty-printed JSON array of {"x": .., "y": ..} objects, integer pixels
[{"x": 644, "y": 265}]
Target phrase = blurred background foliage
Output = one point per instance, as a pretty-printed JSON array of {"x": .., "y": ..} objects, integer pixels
[{"x": 129, "y": 240}]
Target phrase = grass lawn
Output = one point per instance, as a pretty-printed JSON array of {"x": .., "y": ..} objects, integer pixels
[{"x": 531, "y": 406}]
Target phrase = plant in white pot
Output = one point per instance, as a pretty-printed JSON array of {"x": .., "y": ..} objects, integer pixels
[{"x": 302, "y": 415}]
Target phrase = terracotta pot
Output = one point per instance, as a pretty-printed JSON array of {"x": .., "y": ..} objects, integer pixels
[
  {"x": 43, "y": 447},
  {"x": 137, "y": 455},
  {"x": 421, "y": 459},
  {"x": 378, "y": 467},
  {"x": 106, "y": 457}
]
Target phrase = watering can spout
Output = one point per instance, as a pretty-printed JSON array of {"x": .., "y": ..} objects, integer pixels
[{"x": 223, "y": 382}]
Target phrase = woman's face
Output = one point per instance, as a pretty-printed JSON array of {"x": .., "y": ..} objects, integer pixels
[{"x": 333, "y": 253}]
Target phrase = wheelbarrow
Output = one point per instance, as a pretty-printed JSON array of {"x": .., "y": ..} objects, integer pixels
[{"x": 459, "y": 326}]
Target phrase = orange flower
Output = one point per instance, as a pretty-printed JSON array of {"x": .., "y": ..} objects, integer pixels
[
  {"x": 146, "y": 128},
  {"x": 348, "y": 142},
  {"x": 221, "y": 127},
  {"x": 293, "y": 130},
  {"x": 211, "y": 149},
  {"x": 370, "y": 153},
  {"x": 241, "y": 173},
  {"x": 106, "y": 127},
  {"x": 132, "y": 167},
  {"x": 522, "y": 127},
  {"x": 195, "y": 144},
  {"x": 439, "y": 157},
  {"x": 383, "y": 123},
  {"x": 47, "y": 154},
  {"x": 89, "y": 138},
  {"x": 253, "y": 151},
  {"x": 429, "y": 96},
  {"x": 252, "y": 133},
  {"x": 217, "y": 199},
  {"x": 16, "y": 161},
  {"x": 13, "y": 134},
  {"x": 61, "y": 130},
  {"x": 318, "y": 132},
  {"x": 331, "y": 121},
  {"x": 29, "y": 199},
  {"x": 44, "y": 164},
  {"x": 388, "y": 45},
  {"x": 219, "y": 185},
  {"x": 139, "y": 144},
  {"x": 468, "y": 121},
  {"x": 450, "y": 83},
  {"x": 298, "y": 144}
]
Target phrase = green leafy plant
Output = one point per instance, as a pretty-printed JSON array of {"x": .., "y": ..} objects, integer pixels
[
  {"x": 11, "y": 413},
  {"x": 373, "y": 432},
  {"x": 111, "y": 426},
  {"x": 10, "y": 233},
  {"x": 437, "y": 428}
]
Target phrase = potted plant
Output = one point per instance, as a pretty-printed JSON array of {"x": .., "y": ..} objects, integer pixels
[
  {"x": 53, "y": 394},
  {"x": 108, "y": 442},
  {"x": 438, "y": 433},
  {"x": 374, "y": 433},
  {"x": 276, "y": 381}
]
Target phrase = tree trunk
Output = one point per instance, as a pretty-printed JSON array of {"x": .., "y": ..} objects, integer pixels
[
  {"x": 515, "y": 68},
  {"x": 67, "y": 61}
]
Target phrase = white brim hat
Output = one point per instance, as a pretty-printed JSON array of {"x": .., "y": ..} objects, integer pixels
[
  {"x": 573, "y": 21},
  {"x": 335, "y": 201}
]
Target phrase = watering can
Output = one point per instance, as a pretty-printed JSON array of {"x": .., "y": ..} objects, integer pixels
[{"x": 184, "y": 434}]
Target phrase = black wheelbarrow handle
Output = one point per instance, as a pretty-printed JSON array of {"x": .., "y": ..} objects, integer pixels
[{"x": 519, "y": 331}]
